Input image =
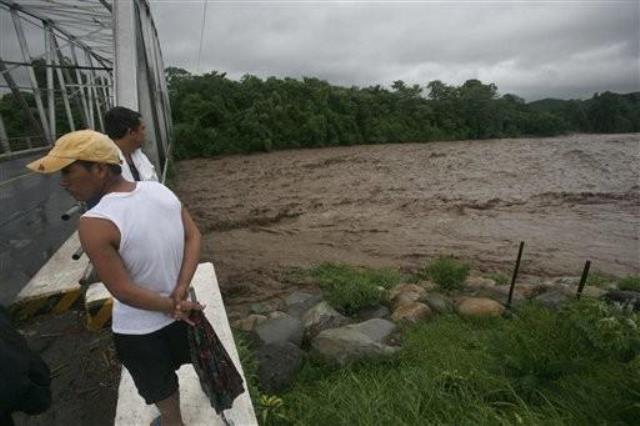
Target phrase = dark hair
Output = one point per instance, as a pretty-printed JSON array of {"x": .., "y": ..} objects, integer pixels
[
  {"x": 118, "y": 120},
  {"x": 116, "y": 169}
]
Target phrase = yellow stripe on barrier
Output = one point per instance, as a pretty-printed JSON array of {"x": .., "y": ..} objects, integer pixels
[
  {"x": 101, "y": 318},
  {"x": 28, "y": 309},
  {"x": 52, "y": 303},
  {"x": 66, "y": 301}
]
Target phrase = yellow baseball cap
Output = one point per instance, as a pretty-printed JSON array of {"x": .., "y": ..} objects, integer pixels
[{"x": 86, "y": 145}]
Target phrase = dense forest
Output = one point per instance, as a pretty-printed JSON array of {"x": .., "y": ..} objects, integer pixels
[{"x": 216, "y": 115}]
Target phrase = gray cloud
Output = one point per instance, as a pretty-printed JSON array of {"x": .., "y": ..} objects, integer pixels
[
  {"x": 565, "y": 49},
  {"x": 534, "y": 49}
]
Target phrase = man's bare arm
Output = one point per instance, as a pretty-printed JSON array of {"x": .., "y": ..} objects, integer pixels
[
  {"x": 192, "y": 247},
  {"x": 100, "y": 239}
]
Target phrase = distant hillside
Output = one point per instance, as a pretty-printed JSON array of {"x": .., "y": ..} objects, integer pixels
[{"x": 605, "y": 112}]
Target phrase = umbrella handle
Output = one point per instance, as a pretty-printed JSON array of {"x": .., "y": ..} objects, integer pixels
[
  {"x": 192, "y": 294},
  {"x": 226, "y": 421}
]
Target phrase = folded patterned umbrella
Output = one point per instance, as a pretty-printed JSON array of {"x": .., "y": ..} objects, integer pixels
[{"x": 219, "y": 378}]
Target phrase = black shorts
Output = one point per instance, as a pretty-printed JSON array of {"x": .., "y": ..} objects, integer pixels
[{"x": 152, "y": 359}]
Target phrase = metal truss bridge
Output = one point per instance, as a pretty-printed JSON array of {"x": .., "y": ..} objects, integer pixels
[{"x": 63, "y": 64}]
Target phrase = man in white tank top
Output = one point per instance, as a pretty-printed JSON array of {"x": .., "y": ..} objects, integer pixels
[{"x": 145, "y": 248}]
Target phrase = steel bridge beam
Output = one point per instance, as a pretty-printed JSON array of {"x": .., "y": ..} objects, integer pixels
[
  {"x": 13, "y": 6},
  {"x": 125, "y": 58},
  {"x": 21, "y": 100},
  {"x": 17, "y": 22}
]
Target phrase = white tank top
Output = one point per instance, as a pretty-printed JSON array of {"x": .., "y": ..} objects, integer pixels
[{"x": 149, "y": 219}]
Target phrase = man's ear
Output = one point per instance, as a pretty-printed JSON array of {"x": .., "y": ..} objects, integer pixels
[{"x": 101, "y": 169}]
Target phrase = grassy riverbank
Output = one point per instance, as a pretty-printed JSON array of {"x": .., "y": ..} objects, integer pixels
[{"x": 576, "y": 365}]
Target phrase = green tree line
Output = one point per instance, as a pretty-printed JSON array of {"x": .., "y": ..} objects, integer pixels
[{"x": 216, "y": 115}]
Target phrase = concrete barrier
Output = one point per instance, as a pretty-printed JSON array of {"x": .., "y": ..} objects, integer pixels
[
  {"x": 132, "y": 410},
  {"x": 98, "y": 305}
]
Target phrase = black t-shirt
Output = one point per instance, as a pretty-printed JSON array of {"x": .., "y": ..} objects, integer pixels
[{"x": 24, "y": 376}]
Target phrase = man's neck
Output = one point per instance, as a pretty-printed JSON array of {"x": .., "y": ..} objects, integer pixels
[
  {"x": 126, "y": 147},
  {"x": 118, "y": 184}
]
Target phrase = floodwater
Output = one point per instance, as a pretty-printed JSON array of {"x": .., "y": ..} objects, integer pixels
[{"x": 571, "y": 199}]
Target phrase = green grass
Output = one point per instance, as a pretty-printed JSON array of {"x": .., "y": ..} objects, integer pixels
[
  {"x": 631, "y": 282},
  {"x": 350, "y": 289},
  {"x": 249, "y": 366},
  {"x": 446, "y": 272},
  {"x": 268, "y": 408},
  {"x": 499, "y": 278},
  {"x": 599, "y": 279},
  {"x": 541, "y": 367}
]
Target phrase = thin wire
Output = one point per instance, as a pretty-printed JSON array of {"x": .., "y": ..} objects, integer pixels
[{"x": 204, "y": 18}]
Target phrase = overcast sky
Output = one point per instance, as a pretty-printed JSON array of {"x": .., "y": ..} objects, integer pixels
[{"x": 563, "y": 49}]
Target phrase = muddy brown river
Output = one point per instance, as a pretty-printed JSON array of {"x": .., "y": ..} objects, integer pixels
[{"x": 571, "y": 199}]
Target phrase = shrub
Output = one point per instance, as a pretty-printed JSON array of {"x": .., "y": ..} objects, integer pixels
[
  {"x": 270, "y": 409},
  {"x": 630, "y": 282},
  {"x": 249, "y": 365},
  {"x": 447, "y": 272},
  {"x": 607, "y": 331},
  {"x": 531, "y": 350},
  {"x": 350, "y": 289},
  {"x": 541, "y": 346}
]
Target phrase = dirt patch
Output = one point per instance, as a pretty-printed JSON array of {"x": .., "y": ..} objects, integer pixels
[
  {"x": 570, "y": 198},
  {"x": 85, "y": 372}
]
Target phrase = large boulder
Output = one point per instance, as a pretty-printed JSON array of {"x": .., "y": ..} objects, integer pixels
[
  {"x": 530, "y": 290},
  {"x": 568, "y": 281},
  {"x": 321, "y": 317},
  {"x": 479, "y": 307},
  {"x": 593, "y": 292},
  {"x": 371, "y": 312},
  {"x": 277, "y": 365},
  {"x": 553, "y": 299},
  {"x": 501, "y": 294},
  {"x": 299, "y": 302},
  {"x": 376, "y": 329},
  {"x": 345, "y": 344},
  {"x": 298, "y": 297},
  {"x": 248, "y": 323},
  {"x": 280, "y": 330},
  {"x": 438, "y": 303},
  {"x": 263, "y": 308},
  {"x": 428, "y": 285},
  {"x": 404, "y": 294},
  {"x": 626, "y": 298},
  {"x": 276, "y": 314},
  {"x": 479, "y": 282},
  {"x": 587, "y": 291},
  {"x": 411, "y": 313}
]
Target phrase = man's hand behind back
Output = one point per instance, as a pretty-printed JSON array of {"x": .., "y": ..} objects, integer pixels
[
  {"x": 183, "y": 309},
  {"x": 179, "y": 293}
]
